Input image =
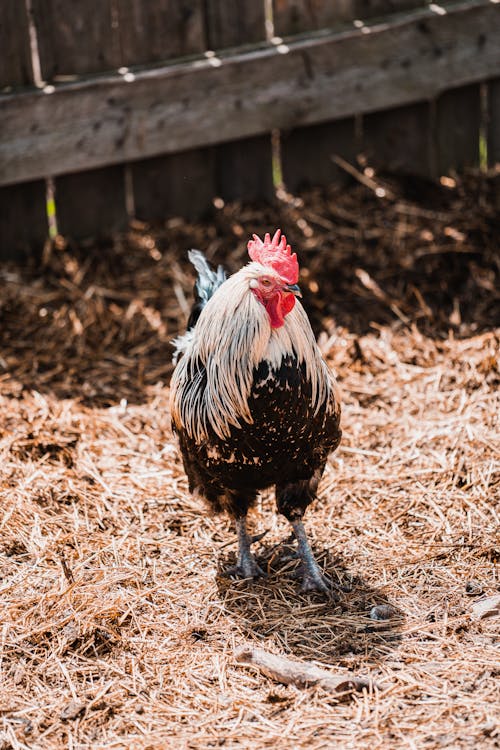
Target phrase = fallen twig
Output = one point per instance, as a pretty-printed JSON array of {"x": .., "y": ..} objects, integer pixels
[
  {"x": 380, "y": 192},
  {"x": 302, "y": 674}
]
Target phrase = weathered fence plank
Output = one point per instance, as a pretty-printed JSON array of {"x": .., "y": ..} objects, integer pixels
[
  {"x": 91, "y": 203},
  {"x": 400, "y": 140},
  {"x": 234, "y": 24},
  {"x": 244, "y": 169},
  {"x": 76, "y": 38},
  {"x": 153, "y": 32},
  {"x": 23, "y": 216},
  {"x": 181, "y": 184},
  {"x": 493, "y": 130},
  {"x": 15, "y": 58},
  {"x": 458, "y": 119},
  {"x": 372, "y": 8},
  {"x": 297, "y": 16},
  {"x": 185, "y": 183},
  {"x": 23, "y": 219},
  {"x": 306, "y": 153},
  {"x": 329, "y": 76}
]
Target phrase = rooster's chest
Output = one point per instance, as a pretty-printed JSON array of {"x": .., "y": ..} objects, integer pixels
[{"x": 287, "y": 432}]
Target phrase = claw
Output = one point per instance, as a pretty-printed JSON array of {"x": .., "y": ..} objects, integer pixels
[
  {"x": 258, "y": 537},
  {"x": 246, "y": 565},
  {"x": 319, "y": 583},
  {"x": 247, "y": 569}
]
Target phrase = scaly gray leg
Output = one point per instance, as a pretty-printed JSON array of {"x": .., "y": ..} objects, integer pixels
[
  {"x": 246, "y": 566},
  {"x": 313, "y": 579}
]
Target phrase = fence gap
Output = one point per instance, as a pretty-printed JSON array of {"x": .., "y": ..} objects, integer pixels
[
  {"x": 483, "y": 127},
  {"x": 276, "y": 160},
  {"x": 129, "y": 191},
  {"x": 50, "y": 202},
  {"x": 277, "y": 166}
]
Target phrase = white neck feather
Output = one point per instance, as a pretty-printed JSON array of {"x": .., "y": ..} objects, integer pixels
[{"x": 232, "y": 336}]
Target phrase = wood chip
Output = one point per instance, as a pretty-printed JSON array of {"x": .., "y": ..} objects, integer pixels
[{"x": 406, "y": 513}]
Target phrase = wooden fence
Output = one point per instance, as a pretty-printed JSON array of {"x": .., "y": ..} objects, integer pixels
[{"x": 150, "y": 108}]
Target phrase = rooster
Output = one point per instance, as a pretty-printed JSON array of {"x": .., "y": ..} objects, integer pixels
[{"x": 253, "y": 402}]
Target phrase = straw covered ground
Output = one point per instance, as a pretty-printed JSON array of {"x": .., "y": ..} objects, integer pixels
[{"x": 117, "y": 628}]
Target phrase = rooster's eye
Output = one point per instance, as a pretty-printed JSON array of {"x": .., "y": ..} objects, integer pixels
[{"x": 265, "y": 282}]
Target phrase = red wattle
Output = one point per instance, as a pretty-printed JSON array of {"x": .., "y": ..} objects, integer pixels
[
  {"x": 287, "y": 302},
  {"x": 278, "y": 306}
]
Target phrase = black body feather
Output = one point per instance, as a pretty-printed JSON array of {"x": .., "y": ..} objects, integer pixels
[{"x": 286, "y": 445}]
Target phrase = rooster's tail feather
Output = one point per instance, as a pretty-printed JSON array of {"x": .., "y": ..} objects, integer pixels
[{"x": 206, "y": 284}]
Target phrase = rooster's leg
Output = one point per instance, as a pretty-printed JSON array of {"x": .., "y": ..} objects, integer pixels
[
  {"x": 313, "y": 579},
  {"x": 293, "y": 499},
  {"x": 246, "y": 566}
]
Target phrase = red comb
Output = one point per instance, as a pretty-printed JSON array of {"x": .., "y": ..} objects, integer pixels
[{"x": 277, "y": 254}]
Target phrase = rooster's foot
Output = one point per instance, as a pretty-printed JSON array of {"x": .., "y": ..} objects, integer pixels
[
  {"x": 245, "y": 569},
  {"x": 246, "y": 565},
  {"x": 312, "y": 577},
  {"x": 316, "y": 581}
]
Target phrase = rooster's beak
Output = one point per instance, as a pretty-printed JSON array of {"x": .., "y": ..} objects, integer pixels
[{"x": 294, "y": 289}]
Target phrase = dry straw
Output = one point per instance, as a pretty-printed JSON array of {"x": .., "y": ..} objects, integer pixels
[{"x": 117, "y": 630}]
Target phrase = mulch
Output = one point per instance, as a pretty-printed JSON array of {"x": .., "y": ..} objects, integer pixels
[{"x": 118, "y": 628}]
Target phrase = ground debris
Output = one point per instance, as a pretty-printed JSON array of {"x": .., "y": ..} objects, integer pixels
[
  {"x": 473, "y": 588},
  {"x": 487, "y": 607},
  {"x": 303, "y": 674},
  {"x": 72, "y": 711},
  {"x": 383, "y": 612}
]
